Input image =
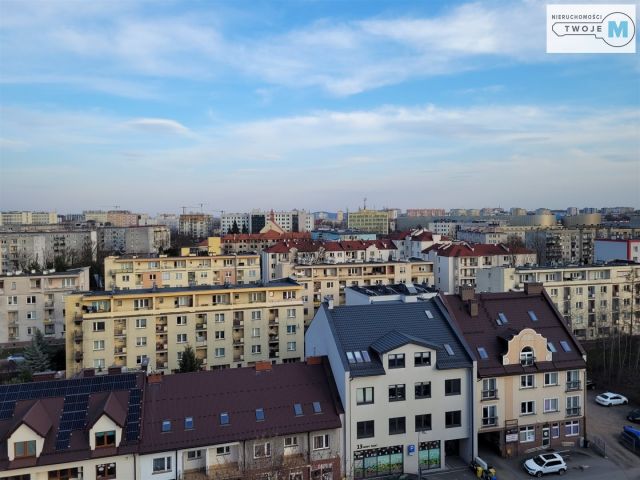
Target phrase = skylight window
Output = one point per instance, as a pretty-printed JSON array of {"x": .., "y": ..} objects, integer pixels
[
  {"x": 297, "y": 408},
  {"x": 565, "y": 346},
  {"x": 551, "y": 347},
  {"x": 483, "y": 353},
  {"x": 365, "y": 356},
  {"x": 503, "y": 318},
  {"x": 188, "y": 423},
  {"x": 259, "y": 415},
  {"x": 428, "y": 313},
  {"x": 166, "y": 425},
  {"x": 448, "y": 348},
  {"x": 532, "y": 316},
  {"x": 224, "y": 418},
  {"x": 358, "y": 356},
  {"x": 316, "y": 407},
  {"x": 350, "y": 357}
]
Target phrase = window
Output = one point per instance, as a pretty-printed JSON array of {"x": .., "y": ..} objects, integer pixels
[
  {"x": 288, "y": 295},
  {"x": 526, "y": 356},
  {"x": 31, "y": 315},
  {"x": 453, "y": 419},
  {"x": 290, "y": 441},
  {"x": 31, "y": 299},
  {"x": 572, "y": 428},
  {"x": 218, "y": 317},
  {"x": 364, "y": 396},
  {"x": 162, "y": 464},
  {"x": 527, "y": 381},
  {"x": 141, "y": 341},
  {"x": 181, "y": 338},
  {"x": 12, "y": 300},
  {"x": 573, "y": 380},
  {"x": 181, "y": 320},
  {"x": 550, "y": 378},
  {"x": 291, "y": 329},
  {"x": 188, "y": 423},
  {"x": 550, "y": 405},
  {"x": 297, "y": 408},
  {"x": 166, "y": 426},
  {"x": 219, "y": 334},
  {"x": 166, "y": 276},
  {"x": 255, "y": 332},
  {"x": 226, "y": 450},
  {"x": 259, "y": 415},
  {"x": 489, "y": 415},
  {"x": 422, "y": 390},
  {"x": 321, "y": 442},
  {"x": 219, "y": 352},
  {"x": 291, "y": 346},
  {"x": 98, "y": 345},
  {"x": 224, "y": 418},
  {"x": 99, "y": 363},
  {"x": 489, "y": 389},
  {"x": 256, "y": 315},
  {"x": 483, "y": 353},
  {"x": 140, "y": 359},
  {"x": 141, "y": 303},
  {"x": 527, "y": 434},
  {"x": 194, "y": 454},
  {"x": 452, "y": 386},
  {"x": 24, "y": 449},
  {"x": 396, "y": 360},
  {"x": 421, "y": 359},
  {"x": 555, "y": 430},
  {"x": 397, "y": 393},
  {"x": 106, "y": 439},
  {"x": 573, "y": 406},
  {"x": 565, "y": 345},
  {"x": 291, "y": 313},
  {"x": 262, "y": 450},
  {"x": 105, "y": 471},
  {"x": 528, "y": 407},
  {"x": 256, "y": 349},
  {"x": 98, "y": 326},
  {"x": 397, "y": 425},
  {"x": 365, "y": 429},
  {"x": 141, "y": 323},
  {"x": 423, "y": 422}
]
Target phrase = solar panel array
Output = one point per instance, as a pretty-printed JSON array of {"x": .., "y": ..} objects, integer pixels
[{"x": 76, "y": 394}]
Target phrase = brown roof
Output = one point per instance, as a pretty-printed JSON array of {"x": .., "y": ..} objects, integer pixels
[
  {"x": 483, "y": 330},
  {"x": 33, "y": 415},
  {"x": 112, "y": 404},
  {"x": 203, "y": 396},
  {"x": 463, "y": 249},
  {"x": 269, "y": 235}
]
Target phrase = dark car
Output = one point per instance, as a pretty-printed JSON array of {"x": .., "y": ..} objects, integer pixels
[{"x": 634, "y": 416}]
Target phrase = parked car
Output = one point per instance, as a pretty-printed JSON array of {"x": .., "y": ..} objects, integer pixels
[
  {"x": 634, "y": 416},
  {"x": 609, "y": 398},
  {"x": 545, "y": 463},
  {"x": 590, "y": 384}
]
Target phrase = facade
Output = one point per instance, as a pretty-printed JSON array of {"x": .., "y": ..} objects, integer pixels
[
  {"x": 606, "y": 250},
  {"x": 31, "y": 301},
  {"x": 28, "y": 218},
  {"x": 559, "y": 246},
  {"x": 226, "y": 325},
  {"x": 448, "y": 229},
  {"x": 406, "y": 385},
  {"x": 531, "y": 371},
  {"x": 335, "y": 235},
  {"x": 132, "y": 240},
  {"x": 257, "y": 242},
  {"x": 195, "y": 225},
  {"x": 256, "y": 220},
  {"x": 490, "y": 236},
  {"x": 129, "y": 273},
  {"x": 122, "y": 218},
  {"x": 426, "y": 212},
  {"x": 369, "y": 221},
  {"x": 457, "y": 264},
  {"x": 595, "y": 300}
]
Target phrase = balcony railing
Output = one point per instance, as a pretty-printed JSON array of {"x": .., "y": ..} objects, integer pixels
[
  {"x": 489, "y": 421},
  {"x": 574, "y": 385},
  {"x": 490, "y": 394},
  {"x": 574, "y": 412}
]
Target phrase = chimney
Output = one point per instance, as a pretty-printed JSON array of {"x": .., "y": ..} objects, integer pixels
[
  {"x": 263, "y": 366},
  {"x": 472, "y": 307},
  {"x": 114, "y": 370},
  {"x": 329, "y": 300},
  {"x": 314, "y": 360},
  {"x": 533, "y": 288},
  {"x": 154, "y": 378},
  {"x": 467, "y": 293}
]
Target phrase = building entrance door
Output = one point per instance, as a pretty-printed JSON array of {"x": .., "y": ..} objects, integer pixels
[{"x": 546, "y": 439}]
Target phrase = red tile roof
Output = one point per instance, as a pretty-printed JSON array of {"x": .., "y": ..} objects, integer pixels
[
  {"x": 270, "y": 235},
  {"x": 463, "y": 249}
]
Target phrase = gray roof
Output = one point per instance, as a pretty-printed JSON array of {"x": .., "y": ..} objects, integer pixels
[{"x": 382, "y": 327}]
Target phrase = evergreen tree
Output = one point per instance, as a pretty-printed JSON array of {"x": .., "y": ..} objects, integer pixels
[
  {"x": 35, "y": 359},
  {"x": 234, "y": 228},
  {"x": 245, "y": 229},
  {"x": 189, "y": 362},
  {"x": 42, "y": 343}
]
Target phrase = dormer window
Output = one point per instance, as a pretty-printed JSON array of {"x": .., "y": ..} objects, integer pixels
[
  {"x": 526, "y": 356},
  {"x": 25, "y": 449},
  {"x": 106, "y": 439}
]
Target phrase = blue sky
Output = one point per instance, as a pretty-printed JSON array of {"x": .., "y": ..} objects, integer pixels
[{"x": 307, "y": 104}]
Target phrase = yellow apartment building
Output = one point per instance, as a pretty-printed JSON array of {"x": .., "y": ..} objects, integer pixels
[
  {"x": 227, "y": 326},
  {"x": 369, "y": 221}
]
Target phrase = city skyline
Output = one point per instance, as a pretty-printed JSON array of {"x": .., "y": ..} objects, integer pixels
[{"x": 310, "y": 105}]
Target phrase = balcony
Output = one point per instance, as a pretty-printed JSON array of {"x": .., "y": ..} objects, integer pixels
[
  {"x": 274, "y": 339},
  {"x": 77, "y": 319},
  {"x": 490, "y": 394},
  {"x": 78, "y": 356},
  {"x": 201, "y": 326},
  {"x": 77, "y": 337},
  {"x": 48, "y": 304},
  {"x": 574, "y": 412},
  {"x": 575, "y": 385},
  {"x": 238, "y": 323},
  {"x": 161, "y": 328},
  {"x": 120, "y": 332},
  {"x": 161, "y": 347},
  {"x": 274, "y": 322},
  {"x": 489, "y": 422},
  {"x": 119, "y": 351},
  {"x": 201, "y": 341},
  {"x": 238, "y": 342}
]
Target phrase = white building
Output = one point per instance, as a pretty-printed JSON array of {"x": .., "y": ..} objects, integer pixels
[{"x": 254, "y": 221}]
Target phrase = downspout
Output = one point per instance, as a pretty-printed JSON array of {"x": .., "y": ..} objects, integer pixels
[{"x": 176, "y": 464}]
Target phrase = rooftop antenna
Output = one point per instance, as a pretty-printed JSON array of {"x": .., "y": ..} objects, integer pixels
[{"x": 365, "y": 203}]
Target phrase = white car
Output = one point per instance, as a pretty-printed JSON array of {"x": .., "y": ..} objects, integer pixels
[
  {"x": 607, "y": 399},
  {"x": 545, "y": 463}
]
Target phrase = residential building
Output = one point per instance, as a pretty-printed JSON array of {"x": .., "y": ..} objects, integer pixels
[
  {"x": 489, "y": 236},
  {"x": 226, "y": 325},
  {"x": 582, "y": 220},
  {"x": 400, "y": 292},
  {"x": 426, "y": 212},
  {"x": 132, "y": 272},
  {"x": 445, "y": 228},
  {"x": 535, "y": 220},
  {"x": 85, "y": 428},
  {"x": 406, "y": 382},
  {"x": 369, "y": 221},
  {"x": 275, "y": 421},
  {"x": 531, "y": 371},
  {"x": 340, "y": 235},
  {"x": 208, "y": 246},
  {"x": 99, "y": 217},
  {"x": 606, "y": 250},
  {"x": 559, "y": 246},
  {"x": 131, "y": 240},
  {"x": 195, "y": 225},
  {"x": 257, "y": 242},
  {"x": 595, "y": 300},
  {"x": 28, "y": 218},
  {"x": 256, "y": 220},
  {"x": 122, "y": 218},
  {"x": 30, "y": 301},
  {"x": 171, "y": 220},
  {"x": 457, "y": 264},
  {"x": 518, "y": 212}
]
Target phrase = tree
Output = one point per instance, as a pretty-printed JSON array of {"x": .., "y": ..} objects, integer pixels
[
  {"x": 189, "y": 362},
  {"x": 36, "y": 360},
  {"x": 234, "y": 228},
  {"x": 515, "y": 245},
  {"x": 245, "y": 229}
]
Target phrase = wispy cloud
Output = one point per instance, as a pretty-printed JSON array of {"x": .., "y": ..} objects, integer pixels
[{"x": 158, "y": 125}]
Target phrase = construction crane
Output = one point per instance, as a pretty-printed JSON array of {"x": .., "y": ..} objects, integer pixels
[
  {"x": 184, "y": 208},
  {"x": 115, "y": 207}
]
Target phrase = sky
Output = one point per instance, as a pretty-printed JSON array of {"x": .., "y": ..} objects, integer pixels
[{"x": 152, "y": 106}]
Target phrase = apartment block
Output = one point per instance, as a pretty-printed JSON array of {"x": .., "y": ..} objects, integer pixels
[
  {"x": 562, "y": 246},
  {"x": 457, "y": 264},
  {"x": 134, "y": 272},
  {"x": 531, "y": 371},
  {"x": 195, "y": 225},
  {"x": 369, "y": 221},
  {"x": 406, "y": 382},
  {"x": 607, "y": 250},
  {"x": 28, "y": 218},
  {"x": 594, "y": 300},
  {"x": 254, "y": 221},
  {"x": 426, "y": 212},
  {"x": 257, "y": 242},
  {"x": 226, "y": 325},
  {"x": 30, "y": 301},
  {"x": 142, "y": 240}
]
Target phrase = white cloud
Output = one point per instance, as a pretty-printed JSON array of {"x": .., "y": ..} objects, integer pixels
[{"x": 158, "y": 125}]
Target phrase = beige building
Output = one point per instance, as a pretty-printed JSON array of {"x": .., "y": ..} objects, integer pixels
[
  {"x": 128, "y": 273},
  {"x": 595, "y": 300},
  {"x": 28, "y": 218},
  {"x": 227, "y": 325},
  {"x": 30, "y": 301},
  {"x": 132, "y": 240},
  {"x": 369, "y": 221},
  {"x": 195, "y": 225}
]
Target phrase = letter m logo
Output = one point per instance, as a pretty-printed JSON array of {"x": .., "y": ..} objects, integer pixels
[{"x": 618, "y": 29}]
